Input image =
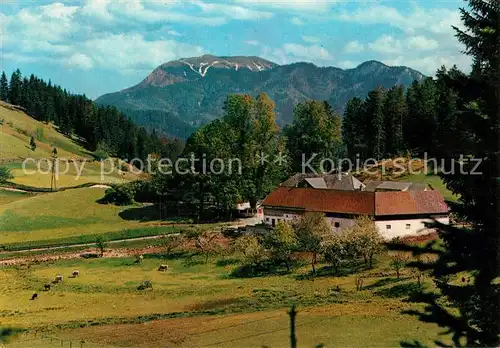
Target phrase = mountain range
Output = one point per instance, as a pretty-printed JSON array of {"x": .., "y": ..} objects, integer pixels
[{"x": 181, "y": 95}]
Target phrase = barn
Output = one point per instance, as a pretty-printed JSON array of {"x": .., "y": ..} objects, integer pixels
[{"x": 396, "y": 213}]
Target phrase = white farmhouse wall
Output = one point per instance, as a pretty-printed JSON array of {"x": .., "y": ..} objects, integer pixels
[
  {"x": 408, "y": 227},
  {"x": 243, "y": 206},
  {"x": 398, "y": 228},
  {"x": 342, "y": 222}
]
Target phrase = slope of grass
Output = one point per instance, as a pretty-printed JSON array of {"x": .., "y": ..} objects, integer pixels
[
  {"x": 195, "y": 304},
  {"x": 66, "y": 214},
  {"x": 7, "y": 196},
  {"x": 17, "y": 129},
  {"x": 72, "y": 217},
  {"x": 435, "y": 181}
]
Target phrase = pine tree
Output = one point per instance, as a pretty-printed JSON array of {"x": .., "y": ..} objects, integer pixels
[
  {"x": 15, "y": 88},
  {"x": 354, "y": 129},
  {"x": 4, "y": 87},
  {"x": 395, "y": 113},
  {"x": 32, "y": 143},
  {"x": 470, "y": 257},
  {"x": 375, "y": 115}
]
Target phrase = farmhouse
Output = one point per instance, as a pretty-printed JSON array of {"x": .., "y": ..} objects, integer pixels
[{"x": 396, "y": 213}]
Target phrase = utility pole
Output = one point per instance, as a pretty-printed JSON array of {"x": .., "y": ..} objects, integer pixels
[
  {"x": 293, "y": 337},
  {"x": 53, "y": 182}
]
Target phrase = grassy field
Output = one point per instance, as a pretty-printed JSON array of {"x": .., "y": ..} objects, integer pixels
[
  {"x": 7, "y": 196},
  {"x": 16, "y": 130},
  {"x": 73, "y": 217},
  {"x": 195, "y": 304},
  {"x": 435, "y": 181},
  {"x": 70, "y": 174},
  {"x": 60, "y": 215}
]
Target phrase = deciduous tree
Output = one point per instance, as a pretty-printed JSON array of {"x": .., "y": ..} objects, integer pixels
[{"x": 311, "y": 230}]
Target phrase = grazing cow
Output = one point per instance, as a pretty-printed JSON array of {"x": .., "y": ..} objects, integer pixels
[
  {"x": 34, "y": 296},
  {"x": 59, "y": 278},
  {"x": 75, "y": 273},
  {"x": 163, "y": 268},
  {"x": 46, "y": 287}
]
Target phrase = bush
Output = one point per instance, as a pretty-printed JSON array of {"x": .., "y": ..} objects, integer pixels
[
  {"x": 5, "y": 174},
  {"x": 398, "y": 261},
  {"x": 251, "y": 249},
  {"x": 118, "y": 195},
  {"x": 100, "y": 155},
  {"x": 39, "y": 134}
]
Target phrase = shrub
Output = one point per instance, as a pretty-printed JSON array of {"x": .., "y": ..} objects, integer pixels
[
  {"x": 101, "y": 244},
  {"x": 334, "y": 251},
  {"x": 251, "y": 249},
  {"x": 398, "y": 261},
  {"x": 170, "y": 243},
  {"x": 311, "y": 231},
  {"x": 363, "y": 240},
  {"x": 100, "y": 155},
  {"x": 123, "y": 167},
  {"x": 39, "y": 134},
  {"x": 5, "y": 174},
  {"x": 119, "y": 195},
  {"x": 281, "y": 242}
]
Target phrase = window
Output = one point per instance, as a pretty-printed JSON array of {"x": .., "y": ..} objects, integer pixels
[
  {"x": 273, "y": 222},
  {"x": 408, "y": 226},
  {"x": 387, "y": 227},
  {"x": 267, "y": 219},
  {"x": 337, "y": 224}
]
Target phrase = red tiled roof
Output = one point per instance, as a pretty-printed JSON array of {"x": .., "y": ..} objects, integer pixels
[
  {"x": 409, "y": 202},
  {"x": 327, "y": 201},
  {"x": 358, "y": 202}
]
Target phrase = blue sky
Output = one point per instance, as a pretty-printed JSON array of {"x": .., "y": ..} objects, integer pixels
[{"x": 100, "y": 46}]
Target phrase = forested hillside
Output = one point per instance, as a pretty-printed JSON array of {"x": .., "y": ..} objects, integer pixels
[
  {"x": 420, "y": 119},
  {"x": 101, "y": 128}
]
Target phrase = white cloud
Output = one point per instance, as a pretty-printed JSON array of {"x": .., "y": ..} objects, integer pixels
[
  {"x": 313, "y": 52},
  {"x": 152, "y": 12},
  {"x": 386, "y": 44},
  {"x": 428, "y": 64},
  {"x": 437, "y": 21},
  {"x": 49, "y": 22},
  {"x": 80, "y": 60},
  {"x": 291, "y": 5},
  {"x": 347, "y": 64},
  {"x": 354, "y": 47},
  {"x": 297, "y": 21},
  {"x": 252, "y": 42},
  {"x": 58, "y": 10},
  {"x": 235, "y": 12},
  {"x": 310, "y": 39},
  {"x": 174, "y": 33},
  {"x": 97, "y": 9},
  {"x": 422, "y": 43},
  {"x": 133, "y": 51}
]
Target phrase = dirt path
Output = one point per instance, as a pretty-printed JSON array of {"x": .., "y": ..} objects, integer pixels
[{"x": 21, "y": 259}]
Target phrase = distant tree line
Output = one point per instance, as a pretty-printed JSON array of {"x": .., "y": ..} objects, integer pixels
[
  {"x": 100, "y": 127},
  {"x": 398, "y": 121}
]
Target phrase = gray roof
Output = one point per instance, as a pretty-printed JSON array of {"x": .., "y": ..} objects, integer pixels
[
  {"x": 394, "y": 185},
  {"x": 344, "y": 182},
  {"x": 318, "y": 183},
  {"x": 373, "y": 186},
  {"x": 418, "y": 187}
]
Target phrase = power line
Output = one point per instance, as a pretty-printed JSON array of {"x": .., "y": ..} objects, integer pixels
[
  {"x": 236, "y": 325},
  {"x": 257, "y": 334}
]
